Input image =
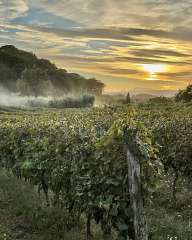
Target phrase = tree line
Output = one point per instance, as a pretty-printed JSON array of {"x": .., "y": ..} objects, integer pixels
[{"x": 23, "y": 72}]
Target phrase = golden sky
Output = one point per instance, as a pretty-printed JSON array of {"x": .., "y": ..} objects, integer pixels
[{"x": 127, "y": 44}]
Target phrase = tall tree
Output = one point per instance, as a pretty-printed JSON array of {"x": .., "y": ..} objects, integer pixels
[
  {"x": 128, "y": 98},
  {"x": 6, "y": 77},
  {"x": 184, "y": 95},
  {"x": 33, "y": 82}
]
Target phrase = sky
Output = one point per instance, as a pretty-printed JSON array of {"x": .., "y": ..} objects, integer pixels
[{"x": 130, "y": 45}]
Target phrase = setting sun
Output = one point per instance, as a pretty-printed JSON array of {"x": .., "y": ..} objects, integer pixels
[{"x": 154, "y": 68}]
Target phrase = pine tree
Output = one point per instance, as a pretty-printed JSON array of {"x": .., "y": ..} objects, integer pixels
[{"x": 128, "y": 98}]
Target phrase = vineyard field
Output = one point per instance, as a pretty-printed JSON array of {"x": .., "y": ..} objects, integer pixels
[{"x": 77, "y": 159}]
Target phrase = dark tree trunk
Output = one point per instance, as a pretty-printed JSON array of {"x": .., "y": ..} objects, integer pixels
[
  {"x": 136, "y": 197},
  {"x": 88, "y": 227}
]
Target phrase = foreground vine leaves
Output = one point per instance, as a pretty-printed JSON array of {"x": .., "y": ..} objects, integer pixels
[{"x": 78, "y": 158}]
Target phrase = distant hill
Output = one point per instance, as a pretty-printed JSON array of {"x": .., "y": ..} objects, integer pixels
[
  {"x": 142, "y": 97},
  {"x": 120, "y": 98},
  {"x": 14, "y": 61}
]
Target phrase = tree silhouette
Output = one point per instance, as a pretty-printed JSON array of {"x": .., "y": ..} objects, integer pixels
[
  {"x": 184, "y": 95},
  {"x": 128, "y": 98}
]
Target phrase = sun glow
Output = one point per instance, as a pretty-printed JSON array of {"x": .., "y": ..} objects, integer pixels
[{"x": 153, "y": 69}]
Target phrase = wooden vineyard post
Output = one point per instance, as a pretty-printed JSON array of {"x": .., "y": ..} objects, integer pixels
[{"x": 136, "y": 198}]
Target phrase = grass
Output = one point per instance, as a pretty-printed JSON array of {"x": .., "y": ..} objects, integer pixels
[
  {"x": 169, "y": 219},
  {"x": 24, "y": 215},
  {"x": 170, "y": 225}
]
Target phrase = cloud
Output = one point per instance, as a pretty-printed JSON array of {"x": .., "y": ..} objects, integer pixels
[
  {"x": 93, "y": 13},
  {"x": 114, "y": 33},
  {"x": 10, "y": 9},
  {"x": 101, "y": 33},
  {"x": 179, "y": 34},
  {"x": 123, "y": 71},
  {"x": 143, "y": 60},
  {"x": 184, "y": 74},
  {"x": 159, "y": 53}
]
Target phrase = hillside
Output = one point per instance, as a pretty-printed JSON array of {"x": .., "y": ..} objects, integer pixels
[{"x": 13, "y": 62}]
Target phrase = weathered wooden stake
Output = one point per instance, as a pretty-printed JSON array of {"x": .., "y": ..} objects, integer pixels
[{"x": 135, "y": 191}]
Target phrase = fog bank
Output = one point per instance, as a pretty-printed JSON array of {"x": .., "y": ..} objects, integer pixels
[{"x": 9, "y": 99}]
